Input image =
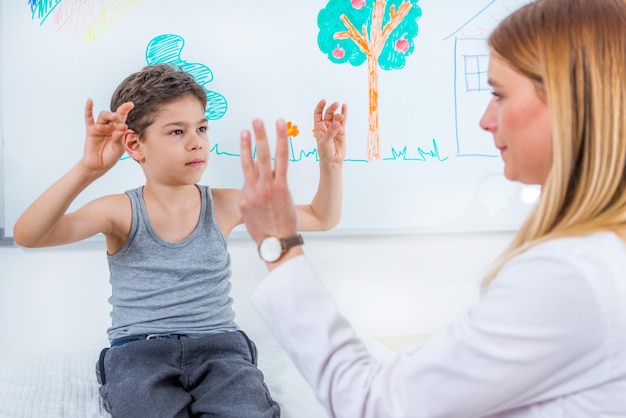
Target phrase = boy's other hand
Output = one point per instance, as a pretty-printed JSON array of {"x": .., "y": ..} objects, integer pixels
[{"x": 329, "y": 130}]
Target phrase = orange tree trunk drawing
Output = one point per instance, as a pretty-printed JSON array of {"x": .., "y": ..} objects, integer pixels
[
  {"x": 384, "y": 40},
  {"x": 373, "y": 135}
]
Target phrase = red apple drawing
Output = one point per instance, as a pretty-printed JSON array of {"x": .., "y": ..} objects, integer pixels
[
  {"x": 358, "y": 4},
  {"x": 339, "y": 53},
  {"x": 402, "y": 45}
]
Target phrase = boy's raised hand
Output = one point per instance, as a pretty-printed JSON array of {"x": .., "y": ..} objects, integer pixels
[
  {"x": 104, "y": 145},
  {"x": 329, "y": 131}
]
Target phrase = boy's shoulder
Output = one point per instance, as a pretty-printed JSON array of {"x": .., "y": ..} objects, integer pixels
[
  {"x": 225, "y": 196},
  {"x": 114, "y": 199},
  {"x": 226, "y": 207},
  {"x": 112, "y": 205}
]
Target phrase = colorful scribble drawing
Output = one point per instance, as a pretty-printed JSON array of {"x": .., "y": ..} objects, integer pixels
[
  {"x": 86, "y": 19},
  {"x": 385, "y": 39},
  {"x": 33, "y": 5},
  {"x": 41, "y": 9},
  {"x": 167, "y": 49}
]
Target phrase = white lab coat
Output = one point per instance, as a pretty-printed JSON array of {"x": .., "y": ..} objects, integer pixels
[{"x": 547, "y": 340}]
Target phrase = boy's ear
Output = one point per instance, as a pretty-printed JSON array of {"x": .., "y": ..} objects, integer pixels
[{"x": 133, "y": 146}]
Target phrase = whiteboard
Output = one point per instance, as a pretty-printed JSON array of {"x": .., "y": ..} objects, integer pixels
[{"x": 435, "y": 171}]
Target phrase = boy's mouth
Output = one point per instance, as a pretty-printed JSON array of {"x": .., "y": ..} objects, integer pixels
[{"x": 196, "y": 162}]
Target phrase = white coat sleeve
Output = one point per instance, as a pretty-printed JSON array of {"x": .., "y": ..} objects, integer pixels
[{"x": 532, "y": 337}]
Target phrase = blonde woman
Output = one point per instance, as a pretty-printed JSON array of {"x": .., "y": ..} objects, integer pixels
[{"x": 548, "y": 336}]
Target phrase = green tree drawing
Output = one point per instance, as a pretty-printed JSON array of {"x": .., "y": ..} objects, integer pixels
[{"x": 379, "y": 32}]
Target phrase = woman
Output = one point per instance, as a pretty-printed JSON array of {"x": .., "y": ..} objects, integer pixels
[{"x": 548, "y": 336}]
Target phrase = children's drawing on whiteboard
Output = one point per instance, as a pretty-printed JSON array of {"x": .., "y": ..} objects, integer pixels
[
  {"x": 366, "y": 33},
  {"x": 385, "y": 39},
  {"x": 81, "y": 18},
  {"x": 471, "y": 90},
  {"x": 167, "y": 49}
]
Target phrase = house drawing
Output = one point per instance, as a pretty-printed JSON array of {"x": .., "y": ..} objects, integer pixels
[{"x": 471, "y": 90}]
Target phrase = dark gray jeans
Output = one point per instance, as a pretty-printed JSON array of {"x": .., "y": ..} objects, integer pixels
[{"x": 215, "y": 376}]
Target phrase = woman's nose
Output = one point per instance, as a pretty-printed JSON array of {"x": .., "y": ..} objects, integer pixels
[{"x": 488, "y": 121}]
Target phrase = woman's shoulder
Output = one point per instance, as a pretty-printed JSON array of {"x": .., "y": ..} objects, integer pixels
[
  {"x": 603, "y": 245},
  {"x": 592, "y": 264}
]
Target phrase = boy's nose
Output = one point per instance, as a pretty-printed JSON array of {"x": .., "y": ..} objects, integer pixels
[{"x": 195, "y": 142}]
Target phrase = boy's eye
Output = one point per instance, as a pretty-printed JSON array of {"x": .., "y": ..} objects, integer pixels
[
  {"x": 176, "y": 132},
  {"x": 498, "y": 96},
  {"x": 203, "y": 128}
]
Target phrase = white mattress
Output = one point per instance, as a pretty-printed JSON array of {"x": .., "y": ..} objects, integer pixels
[{"x": 63, "y": 385}]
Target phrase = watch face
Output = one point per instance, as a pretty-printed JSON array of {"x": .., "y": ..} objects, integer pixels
[{"x": 270, "y": 249}]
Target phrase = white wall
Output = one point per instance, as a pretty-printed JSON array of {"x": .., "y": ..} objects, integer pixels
[{"x": 56, "y": 299}]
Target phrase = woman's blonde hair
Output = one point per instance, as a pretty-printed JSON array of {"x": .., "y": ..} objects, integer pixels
[{"x": 575, "y": 52}]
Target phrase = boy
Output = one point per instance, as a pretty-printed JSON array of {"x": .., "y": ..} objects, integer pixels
[{"x": 175, "y": 348}]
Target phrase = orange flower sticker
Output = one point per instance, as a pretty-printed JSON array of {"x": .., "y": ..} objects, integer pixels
[{"x": 292, "y": 130}]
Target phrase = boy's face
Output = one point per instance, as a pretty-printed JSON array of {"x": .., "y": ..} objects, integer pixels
[{"x": 176, "y": 144}]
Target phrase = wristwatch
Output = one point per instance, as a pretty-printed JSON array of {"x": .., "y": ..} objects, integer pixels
[{"x": 271, "y": 249}]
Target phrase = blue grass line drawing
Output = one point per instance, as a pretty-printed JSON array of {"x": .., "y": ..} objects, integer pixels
[
  {"x": 216, "y": 150},
  {"x": 423, "y": 155},
  {"x": 302, "y": 154},
  {"x": 167, "y": 49}
]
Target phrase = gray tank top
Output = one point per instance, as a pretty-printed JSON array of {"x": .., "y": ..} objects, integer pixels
[{"x": 165, "y": 287}]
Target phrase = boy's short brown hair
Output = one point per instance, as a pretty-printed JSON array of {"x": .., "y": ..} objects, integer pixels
[{"x": 152, "y": 87}]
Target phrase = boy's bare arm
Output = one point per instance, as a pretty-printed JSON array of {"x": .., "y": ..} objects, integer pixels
[
  {"x": 324, "y": 212},
  {"x": 226, "y": 207},
  {"x": 45, "y": 222}
]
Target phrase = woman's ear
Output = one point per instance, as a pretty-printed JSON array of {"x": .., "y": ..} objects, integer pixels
[{"x": 134, "y": 147}]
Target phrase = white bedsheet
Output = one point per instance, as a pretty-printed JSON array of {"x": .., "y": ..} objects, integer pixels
[
  {"x": 63, "y": 384},
  {"x": 59, "y": 384}
]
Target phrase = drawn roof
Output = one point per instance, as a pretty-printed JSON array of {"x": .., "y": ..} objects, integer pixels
[{"x": 486, "y": 19}]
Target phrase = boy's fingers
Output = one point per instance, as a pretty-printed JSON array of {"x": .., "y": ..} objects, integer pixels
[
  {"x": 124, "y": 109},
  {"x": 104, "y": 117},
  {"x": 331, "y": 111},
  {"x": 89, "y": 112},
  {"x": 319, "y": 111}
]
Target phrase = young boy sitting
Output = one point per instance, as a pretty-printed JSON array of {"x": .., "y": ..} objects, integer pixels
[{"x": 175, "y": 348}]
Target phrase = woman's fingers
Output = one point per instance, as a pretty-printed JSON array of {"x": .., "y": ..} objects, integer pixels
[{"x": 282, "y": 151}]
